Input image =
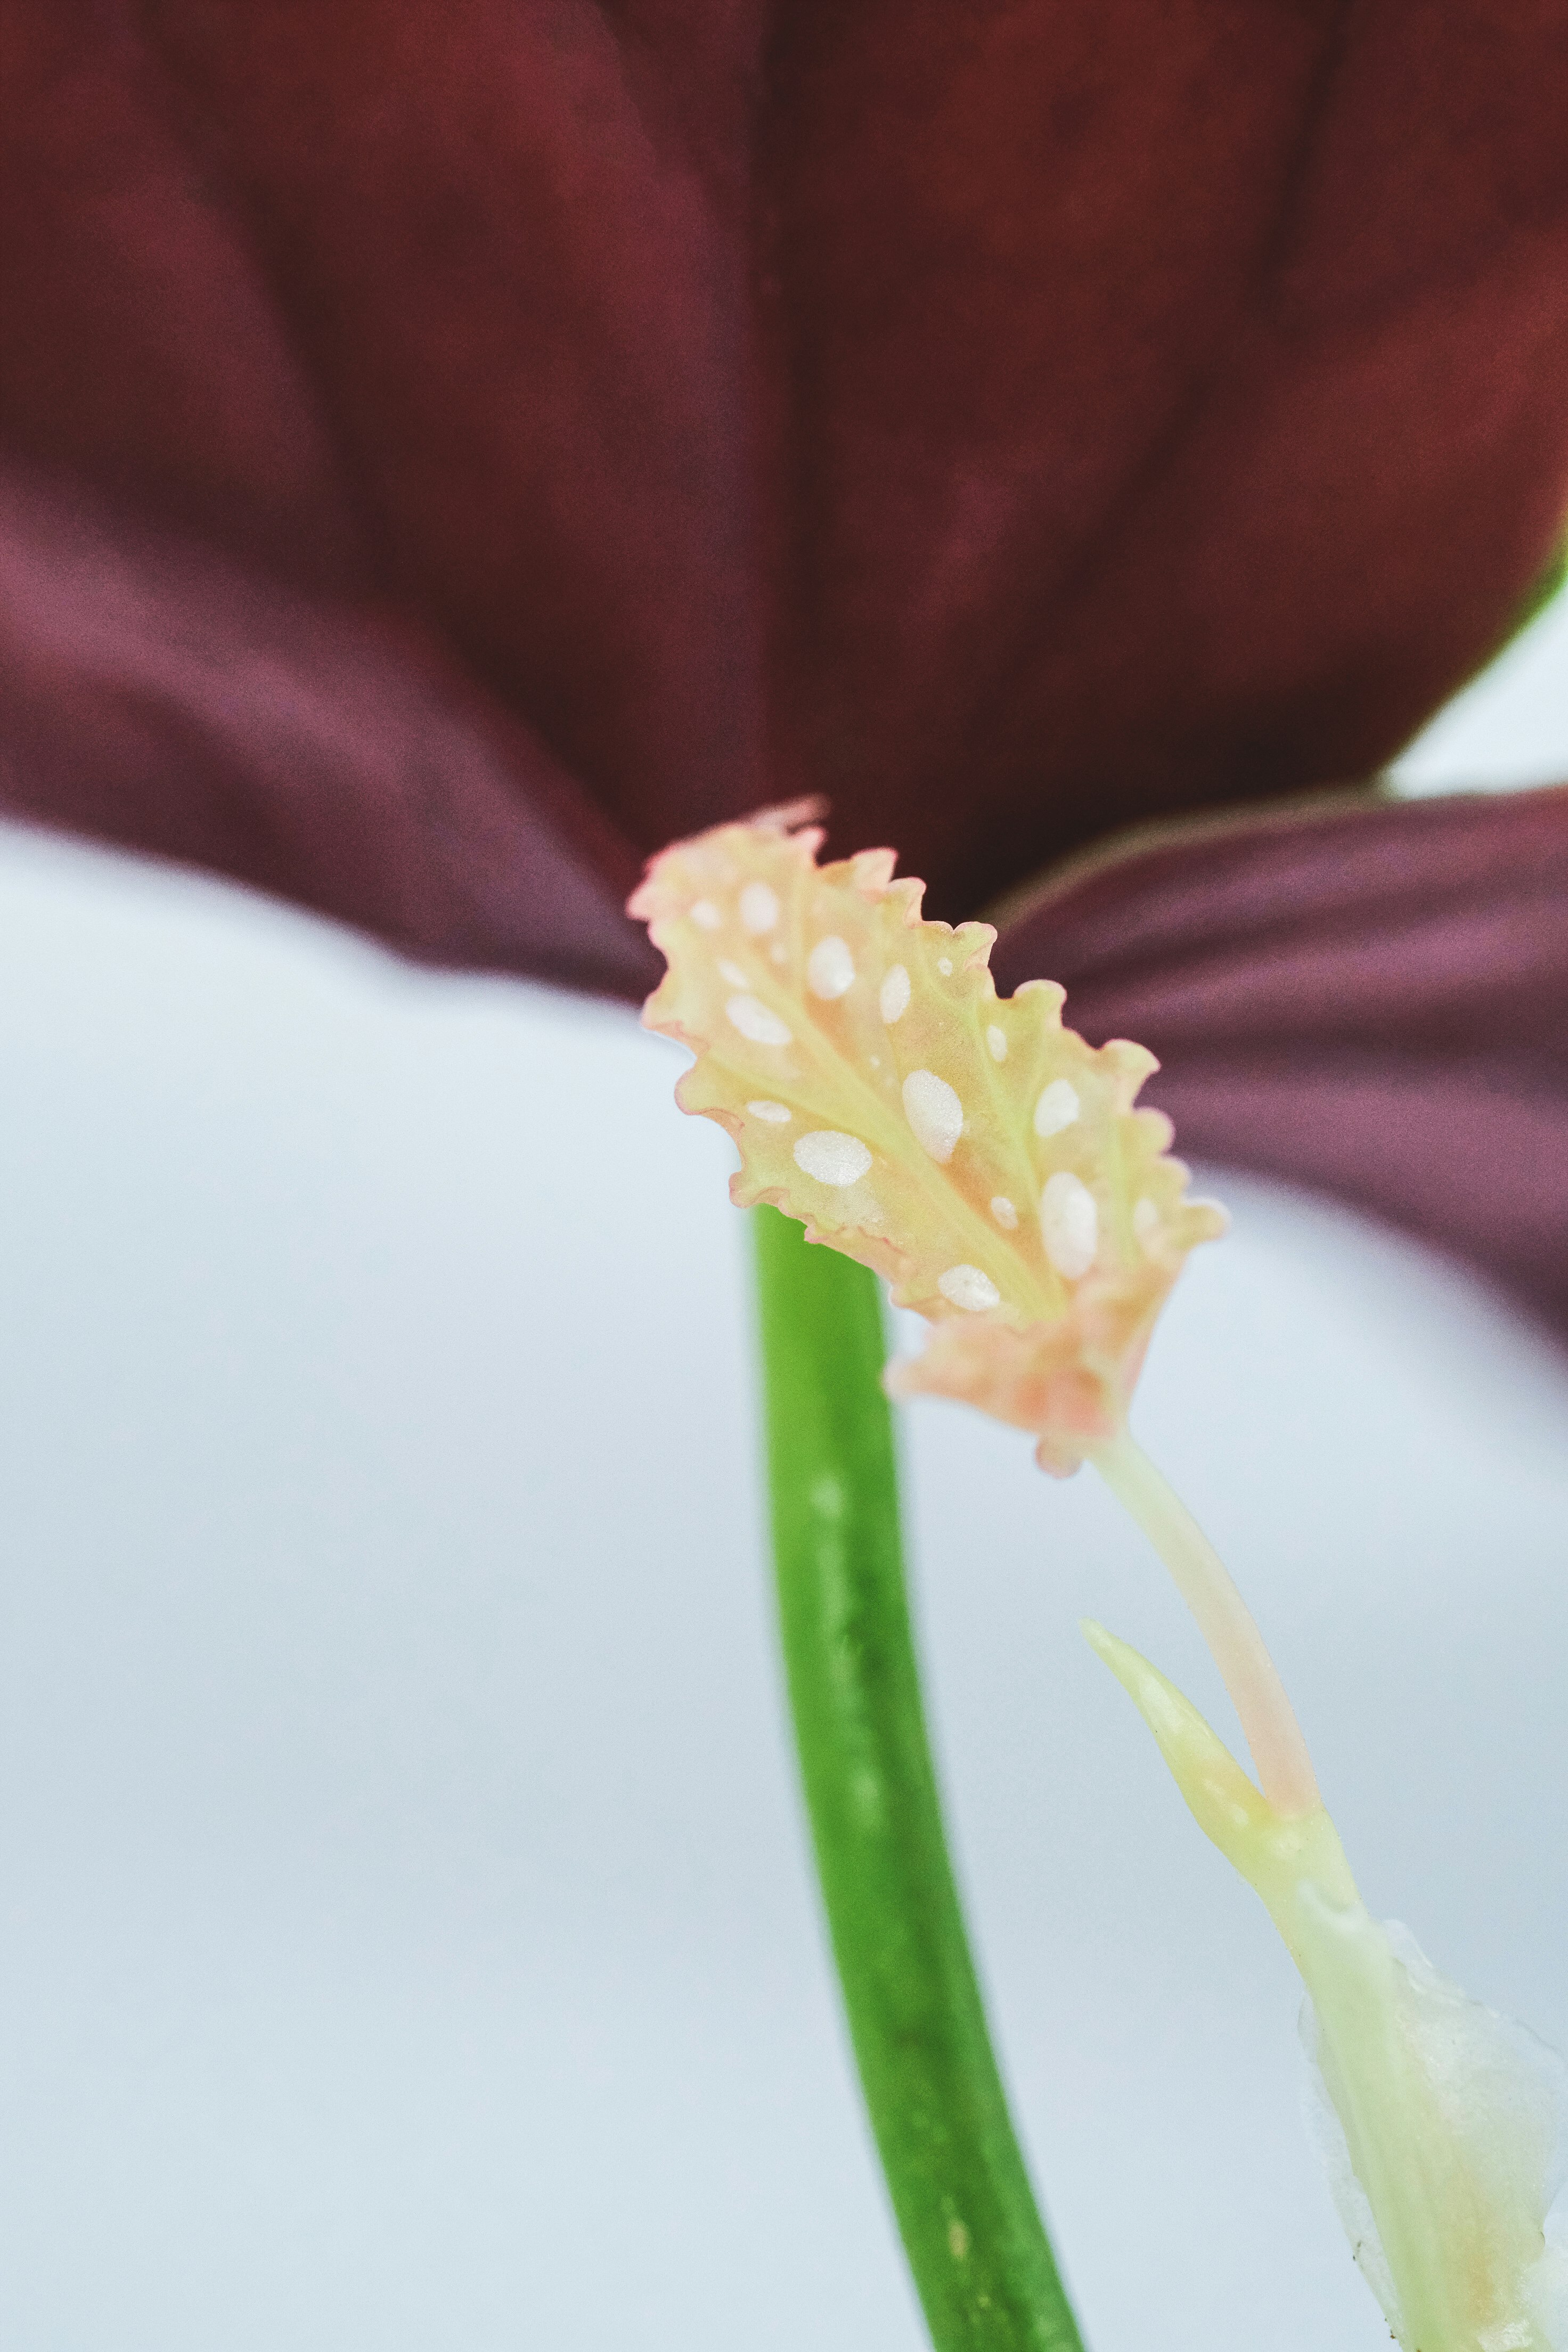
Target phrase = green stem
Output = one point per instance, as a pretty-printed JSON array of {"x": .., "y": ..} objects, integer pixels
[{"x": 981, "y": 2262}]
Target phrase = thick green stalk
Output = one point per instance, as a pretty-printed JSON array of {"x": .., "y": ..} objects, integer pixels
[{"x": 981, "y": 2259}]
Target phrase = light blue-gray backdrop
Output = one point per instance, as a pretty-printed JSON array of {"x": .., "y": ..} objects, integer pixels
[{"x": 406, "y": 1940}]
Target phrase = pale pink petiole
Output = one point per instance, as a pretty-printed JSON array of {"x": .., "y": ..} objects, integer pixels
[{"x": 1268, "y": 1719}]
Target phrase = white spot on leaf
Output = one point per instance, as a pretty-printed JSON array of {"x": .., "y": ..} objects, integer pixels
[
  {"x": 894, "y": 998},
  {"x": 997, "y": 1041},
  {"x": 776, "y": 1114},
  {"x": 832, "y": 1157},
  {"x": 1069, "y": 1223},
  {"x": 706, "y": 915},
  {"x": 1146, "y": 1220},
  {"x": 944, "y": 965},
  {"x": 830, "y": 968},
  {"x": 969, "y": 1286},
  {"x": 1059, "y": 1107},
  {"x": 1002, "y": 1209},
  {"x": 752, "y": 1018},
  {"x": 731, "y": 973},
  {"x": 934, "y": 1112},
  {"x": 758, "y": 908}
]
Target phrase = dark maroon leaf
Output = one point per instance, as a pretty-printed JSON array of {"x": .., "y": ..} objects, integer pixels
[
  {"x": 1363, "y": 995},
  {"x": 447, "y": 451},
  {"x": 160, "y": 696},
  {"x": 1011, "y": 419}
]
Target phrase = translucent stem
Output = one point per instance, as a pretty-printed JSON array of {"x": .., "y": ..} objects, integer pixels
[{"x": 1268, "y": 1719}]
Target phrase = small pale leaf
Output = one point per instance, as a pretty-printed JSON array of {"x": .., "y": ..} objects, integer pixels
[
  {"x": 982, "y": 1158},
  {"x": 1440, "y": 2121}
]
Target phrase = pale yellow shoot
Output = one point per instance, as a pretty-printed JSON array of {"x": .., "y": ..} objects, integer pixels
[
  {"x": 983, "y": 1159},
  {"x": 1439, "y": 2120}
]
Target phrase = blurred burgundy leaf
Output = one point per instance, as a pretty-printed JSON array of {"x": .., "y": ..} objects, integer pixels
[
  {"x": 1356, "y": 994},
  {"x": 446, "y": 452}
]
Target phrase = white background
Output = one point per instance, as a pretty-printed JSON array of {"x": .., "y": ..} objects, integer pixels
[{"x": 407, "y": 1941}]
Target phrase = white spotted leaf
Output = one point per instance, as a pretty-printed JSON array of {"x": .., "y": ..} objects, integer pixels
[{"x": 982, "y": 1158}]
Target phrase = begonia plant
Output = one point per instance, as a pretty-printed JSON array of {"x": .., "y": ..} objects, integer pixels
[
  {"x": 447, "y": 455},
  {"x": 995, "y": 1170}
]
